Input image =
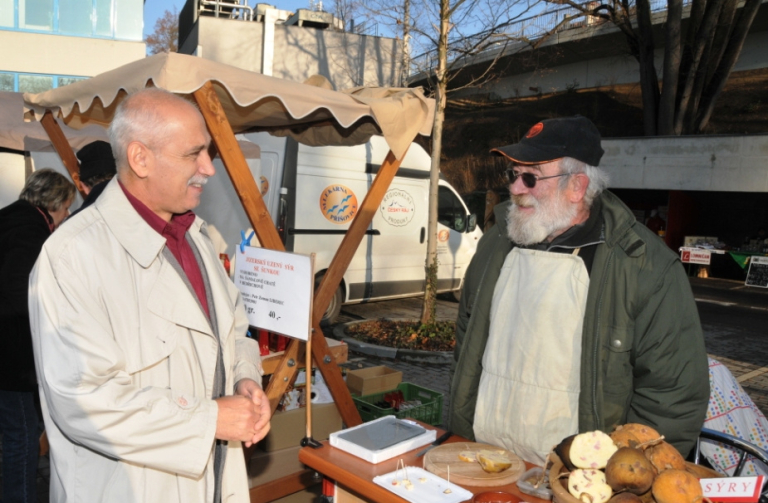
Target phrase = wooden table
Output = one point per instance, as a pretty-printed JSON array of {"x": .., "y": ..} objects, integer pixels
[{"x": 356, "y": 475}]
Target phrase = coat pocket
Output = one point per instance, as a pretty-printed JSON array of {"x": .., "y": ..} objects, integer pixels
[{"x": 617, "y": 362}]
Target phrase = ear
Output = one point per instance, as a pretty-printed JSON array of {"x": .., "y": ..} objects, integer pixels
[
  {"x": 139, "y": 158},
  {"x": 577, "y": 187}
]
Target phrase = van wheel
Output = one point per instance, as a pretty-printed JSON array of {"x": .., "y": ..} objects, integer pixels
[{"x": 334, "y": 308}]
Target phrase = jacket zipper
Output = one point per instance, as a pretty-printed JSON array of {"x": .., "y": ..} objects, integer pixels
[{"x": 598, "y": 421}]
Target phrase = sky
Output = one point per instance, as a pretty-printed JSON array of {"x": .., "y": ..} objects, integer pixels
[{"x": 154, "y": 9}]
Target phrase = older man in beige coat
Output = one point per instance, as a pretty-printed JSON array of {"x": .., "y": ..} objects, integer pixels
[{"x": 139, "y": 335}]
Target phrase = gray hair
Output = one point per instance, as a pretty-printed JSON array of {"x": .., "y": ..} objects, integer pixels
[
  {"x": 48, "y": 189},
  {"x": 139, "y": 118},
  {"x": 598, "y": 179}
]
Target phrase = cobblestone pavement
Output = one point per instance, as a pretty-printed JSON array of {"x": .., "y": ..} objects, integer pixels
[{"x": 734, "y": 319}]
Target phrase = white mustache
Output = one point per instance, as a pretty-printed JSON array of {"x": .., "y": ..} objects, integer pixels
[
  {"x": 525, "y": 200},
  {"x": 198, "y": 179}
]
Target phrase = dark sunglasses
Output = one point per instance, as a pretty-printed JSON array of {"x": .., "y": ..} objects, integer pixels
[{"x": 529, "y": 179}]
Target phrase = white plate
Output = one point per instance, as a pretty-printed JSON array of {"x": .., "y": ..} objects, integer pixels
[{"x": 432, "y": 489}]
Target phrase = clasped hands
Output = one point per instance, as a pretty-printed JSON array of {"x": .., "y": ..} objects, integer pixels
[{"x": 245, "y": 415}]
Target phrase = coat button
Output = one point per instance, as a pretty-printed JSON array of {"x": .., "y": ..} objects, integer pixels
[{"x": 616, "y": 343}]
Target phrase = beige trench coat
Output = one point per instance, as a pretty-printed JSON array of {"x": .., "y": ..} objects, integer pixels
[{"x": 125, "y": 360}]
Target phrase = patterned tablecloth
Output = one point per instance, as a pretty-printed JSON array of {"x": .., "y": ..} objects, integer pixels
[{"x": 732, "y": 411}]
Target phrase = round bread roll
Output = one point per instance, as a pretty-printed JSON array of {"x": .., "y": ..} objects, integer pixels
[
  {"x": 589, "y": 486},
  {"x": 592, "y": 449}
]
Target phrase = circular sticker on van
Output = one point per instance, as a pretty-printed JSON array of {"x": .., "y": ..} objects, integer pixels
[
  {"x": 264, "y": 182},
  {"x": 397, "y": 207},
  {"x": 443, "y": 235},
  {"x": 338, "y": 204}
]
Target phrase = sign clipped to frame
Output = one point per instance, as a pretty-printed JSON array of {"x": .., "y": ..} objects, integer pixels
[
  {"x": 277, "y": 290},
  {"x": 758, "y": 272},
  {"x": 695, "y": 256}
]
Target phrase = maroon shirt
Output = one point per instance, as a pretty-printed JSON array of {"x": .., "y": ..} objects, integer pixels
[{"x": 174, "y": 232}]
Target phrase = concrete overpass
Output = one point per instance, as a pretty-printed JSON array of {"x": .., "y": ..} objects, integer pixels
[{"x": 582, "y": 56}]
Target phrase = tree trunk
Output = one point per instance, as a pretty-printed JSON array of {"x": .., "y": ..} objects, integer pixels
[
  {"x": 406, "y": 62},
  {"x": 672, "y": 58},
  {"x": 431, "y": 265},
  {"x": 731, "y": 54},
  {"x": 700, "y": 28},
  {"x": 649, "y": 80}
]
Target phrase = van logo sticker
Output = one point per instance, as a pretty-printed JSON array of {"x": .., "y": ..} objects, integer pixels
[
  {"x": 397, "y": 208},
  {"x": 443, "y": 235},
  {"x": 264, "y": 185},
  {"x": 338, "y": 204}
]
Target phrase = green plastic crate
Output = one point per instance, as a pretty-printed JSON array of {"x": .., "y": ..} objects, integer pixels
[{"x": 430, "y": 411}]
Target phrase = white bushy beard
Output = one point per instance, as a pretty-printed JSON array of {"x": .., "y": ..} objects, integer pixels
[{"x": 550, "y": 215}]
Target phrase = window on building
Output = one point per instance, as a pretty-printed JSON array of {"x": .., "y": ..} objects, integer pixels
[
  {"x": 35, "y": 83},
  {"x": 103, "y": 18},
  {"x": 75, "y": 17},
  {"x": 130, "y": 19},
  {"x": 6, "y": 13},
  {"x": 7, "y": 82},
  {"x": 116, "y": 19},
  {"x": 36, "y": 15},
  {"x": 65, "y": 81}
]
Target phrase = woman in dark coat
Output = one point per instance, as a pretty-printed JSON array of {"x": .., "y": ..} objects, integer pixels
[{"x": 24, "y": 226}]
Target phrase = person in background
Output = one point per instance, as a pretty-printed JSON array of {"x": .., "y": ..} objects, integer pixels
[
  {"x": 573, "y": 316},
  {"x": 97, "y": 167},
  {"x": 24, "y": 226},
  {"x": 149, "y": 384}
]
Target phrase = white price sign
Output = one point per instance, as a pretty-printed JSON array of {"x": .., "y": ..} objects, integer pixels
[
  {"x": 695, "y": 256},
  {"x": 277, "y": 290}
]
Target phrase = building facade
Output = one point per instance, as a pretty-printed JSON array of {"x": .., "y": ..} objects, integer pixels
[{"x": 52, "y": 43}]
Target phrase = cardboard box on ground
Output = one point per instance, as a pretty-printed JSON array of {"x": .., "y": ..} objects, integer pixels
[{"x": 373, "y": 380}]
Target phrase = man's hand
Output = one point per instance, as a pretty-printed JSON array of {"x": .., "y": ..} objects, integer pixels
[
  {"x": 245, "y": 416},
  {"x": 248, "y": 388}
]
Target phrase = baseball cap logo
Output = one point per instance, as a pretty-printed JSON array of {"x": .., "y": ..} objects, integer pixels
[{"x": 536, "y": 129}]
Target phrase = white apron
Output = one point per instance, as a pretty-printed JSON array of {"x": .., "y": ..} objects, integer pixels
[{"x": 528, "y": 398}]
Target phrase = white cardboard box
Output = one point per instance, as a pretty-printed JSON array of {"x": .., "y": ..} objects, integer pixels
[{"x": 377, "y": 425}]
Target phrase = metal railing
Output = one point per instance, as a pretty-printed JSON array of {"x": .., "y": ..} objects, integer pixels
[{"x": 226, "y": 9}]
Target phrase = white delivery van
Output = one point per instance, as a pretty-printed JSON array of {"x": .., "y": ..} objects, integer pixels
[{"x": 313, "y": 193}]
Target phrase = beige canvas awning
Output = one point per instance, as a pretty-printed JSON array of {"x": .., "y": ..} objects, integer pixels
[
  {"x": 16, "y": 134},
  {"x": 252, "y": 102}
]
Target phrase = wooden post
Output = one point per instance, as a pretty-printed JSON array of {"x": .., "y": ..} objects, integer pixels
[{"x": 62, "y": 147}]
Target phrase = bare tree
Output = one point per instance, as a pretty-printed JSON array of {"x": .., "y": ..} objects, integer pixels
[
  {"x": 698, "y": 58},
  {"x": 450, "y": 34},
  {"x": 165, "y": 38}
]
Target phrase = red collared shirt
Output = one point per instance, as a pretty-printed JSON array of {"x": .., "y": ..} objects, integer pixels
[{"x": 174, "y": 232}]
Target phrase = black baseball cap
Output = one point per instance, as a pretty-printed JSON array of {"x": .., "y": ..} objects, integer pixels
[
  {"x": 96, "y": 159},
  {"x": 553, "y": 139}
]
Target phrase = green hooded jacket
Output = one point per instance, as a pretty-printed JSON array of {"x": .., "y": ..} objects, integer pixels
[{"x": 643, "y": 355}]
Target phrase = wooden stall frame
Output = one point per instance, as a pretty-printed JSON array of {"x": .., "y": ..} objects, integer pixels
[{"x": 258, "y": 215}]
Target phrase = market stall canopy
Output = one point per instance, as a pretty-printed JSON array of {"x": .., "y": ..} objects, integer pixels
[
  {"x": 252, "y": 102},
  {"x": 15, "y": 134}
]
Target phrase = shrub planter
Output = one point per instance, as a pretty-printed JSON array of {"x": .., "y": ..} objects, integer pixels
[{"x": 407, "y": 355}]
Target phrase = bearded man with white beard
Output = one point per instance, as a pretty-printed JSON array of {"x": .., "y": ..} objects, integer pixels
[
  {"x": 148, "y": 382},
  {"x": 573, "y": 316}
]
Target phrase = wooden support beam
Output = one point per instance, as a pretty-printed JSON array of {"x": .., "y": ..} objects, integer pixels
[
  {"x": 237, "y": 167},
  {"x": 259, "y": 217},
  {"x": 62, "y": 147}
]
